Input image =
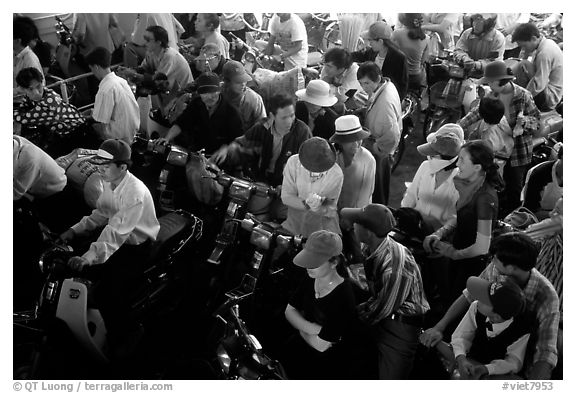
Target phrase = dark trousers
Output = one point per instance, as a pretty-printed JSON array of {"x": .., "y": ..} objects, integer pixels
[
  {"x": 116, "y": 282},
  {"x": 382, "y": 181},
  {"x": 397, "y": 344},
  {"x": 514, "y": 179}
]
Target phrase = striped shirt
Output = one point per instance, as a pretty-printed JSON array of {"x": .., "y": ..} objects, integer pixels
[
  {"x": 541, "y": 299},
  {"x": 395, "y": 284},
  {"x": 522, "y": 105}
]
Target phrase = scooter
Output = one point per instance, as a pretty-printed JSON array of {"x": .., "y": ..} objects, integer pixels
[{"x": 64, "y": 298}]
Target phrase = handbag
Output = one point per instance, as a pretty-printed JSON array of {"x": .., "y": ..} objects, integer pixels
[{"x": 521, "y": 218}]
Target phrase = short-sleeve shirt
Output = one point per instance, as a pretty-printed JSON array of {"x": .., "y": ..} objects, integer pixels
[{"x": 289, "y": 32}]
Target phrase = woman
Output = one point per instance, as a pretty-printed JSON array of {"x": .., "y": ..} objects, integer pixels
[
  {"x": 323, "y": 311},
  {"x": 414, "y": 43},
  {"x": 523, "y": 118},
  {"x": 467, "y": 238},
  {"x": 383, "y": 119},
  {"x": 311, "y": 185}
]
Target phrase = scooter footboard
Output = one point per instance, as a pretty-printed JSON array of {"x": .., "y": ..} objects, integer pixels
[{"x": 86, "y": 324}]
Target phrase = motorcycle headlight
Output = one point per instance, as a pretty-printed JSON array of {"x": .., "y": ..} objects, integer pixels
[
  {"x": 241, "y": 190},
  {"x": 223, "y": 358},
  {"x": 261, "y": 238}
]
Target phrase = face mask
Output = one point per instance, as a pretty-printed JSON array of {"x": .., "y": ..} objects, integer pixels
[{"x": 436, "y": 163}]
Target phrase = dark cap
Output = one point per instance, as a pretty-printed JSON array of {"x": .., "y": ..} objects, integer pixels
[
  {"x": 112, "y": 150},
  {"x": 375, "y": 217},
  {"x": 208, "y": 82},
  {"x": 317, "y": 155},
  {"x": 506, "y": 298},
  {"x": 319, "y": 248},
  {"x": 234, "y": 71}
]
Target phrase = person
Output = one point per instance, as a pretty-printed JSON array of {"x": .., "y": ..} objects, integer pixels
[
  {"x": 316, "y": 108},
  {"x": 514, "y": 255},
  {"x": 494, "y": 129},
  {"x": 24, "y": 56},
  {"x": 323, "y": 311},
  {"x": 447, "y": 27},
  {"x": 356, "y": 162},
  {"x": 383, "y": 119},
  {"x": 44, "y": 108},
  {"x": 269, "y": 143},
  {"x": 93, "y": 30},
  {"x": 432, "y": 191},
  {"x": 523, "y": 118},
  {"x": 339, "y": 71},
  {"x": 384, "y": 52},
  {"x": 311, "y": 184},
  {"x": 210, "y": 59},
  {"x": 492, "y": 337},
  {"x": 412, "y": 41},
  {"x": 546, "y": 83},
  {"x": 34, "y": 173},
  {"x": 480, "y": 44},
  {"x": 506, "y": 23},
  {"x": 41, "y": 48},
  {"x": 208, "y": 25},
  {"x": 125, "y": 211},
  {"x": 288, "y": 31},
  {"x": 247, "y": 102},
  {"x": 397, "y": 303},
  {"x": 135, "y": 49},
  {"x": 115, "y": 108},
  {"x": 208, "y": 122},
  {"x": 476, "y": 210},
  {"x": 544, "y": 186}
]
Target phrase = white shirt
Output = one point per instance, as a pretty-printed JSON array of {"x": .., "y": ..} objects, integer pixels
[
  {"x": 358, "y": 184},
  {"x": 26, "y": 59},
  {"x": 464, "y": 335},
  {"x": 128, "y": 214},
  {"x": 297, "y": 185},
  {"x": 439, "y": 204},
  {"x": 116, "y": 107},
  {"x": 289, "y": 32},
  {"x": 34, "y": 171}
]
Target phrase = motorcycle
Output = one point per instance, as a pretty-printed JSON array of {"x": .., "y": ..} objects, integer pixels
[
  {"x": 409, "y": 105},
  {"x": 64, "y": 299},
  {"x": 66, "y": 49}
]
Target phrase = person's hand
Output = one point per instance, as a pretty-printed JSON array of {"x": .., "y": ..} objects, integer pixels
[
  {"x": 429, "y": 242},
  {"x": 479, "y": 371},
  {"x": 310, "y": 73},
  {"x": 518, "y": 130},
  {"x": 78, "y": 263},
  {"x": 67, "y": 235},
  {"x": 539, "y": 371},
  {"x": 219, "y": 156},
  {"x": 444, "y": 249},
  {"x": 314, "y": 201},
  {"x": 161, "y": 142},
  {"x": 430, "y": 337},
  {"x": 465, "y": 367}
]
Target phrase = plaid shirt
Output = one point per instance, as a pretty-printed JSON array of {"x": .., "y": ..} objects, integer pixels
[
  {"x": 522, "y": 103},
  {"x": 395, "y": 284},
  {"x": 541, "y": 299}
]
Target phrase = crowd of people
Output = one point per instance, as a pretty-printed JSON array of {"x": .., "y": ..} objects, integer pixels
[{"x": 328, "y": 145}]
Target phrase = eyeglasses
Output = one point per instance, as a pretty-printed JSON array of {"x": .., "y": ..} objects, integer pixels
[{"x": 204, "y": 59}]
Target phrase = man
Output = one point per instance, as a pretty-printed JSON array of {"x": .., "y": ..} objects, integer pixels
[
  {"x": 288, "y": 31},
  {"x": 35, "y": 173},
  {"x": 383, "y": 52},
  {"x": 547, "y": 81},
  {"x": 209, "y": 121},
  {"x": 210, "y": 59},
  {"x": 135, "y": 49},
  {"x": 24, "y": 57},
  {"x": 340, "y": 72},
  {"x": 317, "y": 107},
  {"x": 207, "y": 25},
  {"x": 125, "y": 210},
  {"x": 247, "y": 102},
  {"x": 115, "y": 109},
  {"x": 514, "y": 256},
  {"x": 397, "y": 303},
  {"x": 270, "y": 142},
  {"x": 93, "y": 30},
  {"x": 480, "y": 44}
]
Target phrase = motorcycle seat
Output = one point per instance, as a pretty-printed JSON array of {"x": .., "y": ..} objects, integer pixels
[{"x": 172, "y": 225}]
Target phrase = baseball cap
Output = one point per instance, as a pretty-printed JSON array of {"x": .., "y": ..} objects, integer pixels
[
  {"x": 208, "y": 82},
  {"x": 375, "y": 217},
  {"x": 506, "y": 298},
  {"x": 112, "y": 150},
  {"x": 378, "y": 30},
  {"x": 234, "y": 71},
  {"x": 447, "y": 141},
  {"x": 319, "y": 248}
]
